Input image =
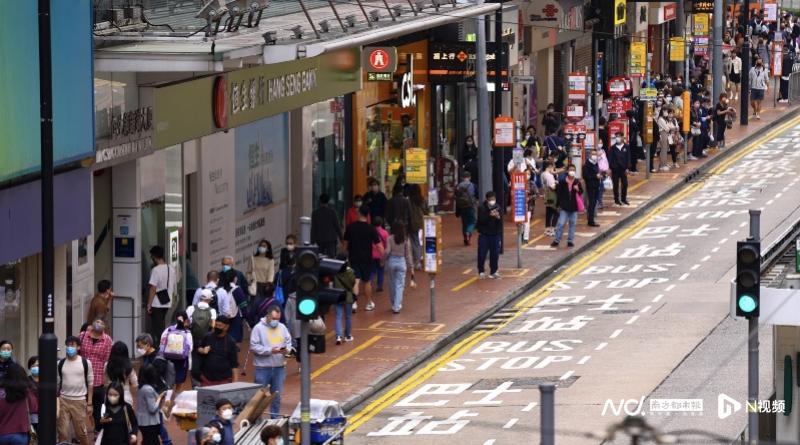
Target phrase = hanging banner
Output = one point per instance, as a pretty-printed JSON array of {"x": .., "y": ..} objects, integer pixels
[
  {"x": 416, "y": 166},
  {"x": 504, "y": 132},
  {"x": 701, "y": 45},
  {"x": 687, "y": 110},
  {"x": 619, "y": 86},
  {"x": 638, "y": 59},
  {"x": 677, "y": 49},
  {"x": 620, "y": 9},
  {"x": 700, "y": 27},
  {"x": 519, "y": 196}
]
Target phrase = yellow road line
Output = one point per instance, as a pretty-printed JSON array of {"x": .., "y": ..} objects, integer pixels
[
  {"x": 637, "y": 185},
  {"x": 464, "y": 284},
  {"x": 464, "y": 345},
  {"x": 533, "y": 241},
  {"x": 325, "y": 368}
]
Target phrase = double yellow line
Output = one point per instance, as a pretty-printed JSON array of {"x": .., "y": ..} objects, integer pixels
[{"x": 400, "y": 390}]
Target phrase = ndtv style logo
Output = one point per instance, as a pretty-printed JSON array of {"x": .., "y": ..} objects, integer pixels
[{"x": 727, "y": 406}]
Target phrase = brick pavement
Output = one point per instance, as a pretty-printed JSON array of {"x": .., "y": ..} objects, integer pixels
[{"x": 386, "y": 343}]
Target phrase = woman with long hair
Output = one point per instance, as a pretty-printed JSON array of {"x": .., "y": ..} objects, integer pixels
[
  {"x": 181, "y": 335},
  {"x": 119, "y": 369},
  {"x": 398, "y": 262},
  {"x": 14, "y": 418},
  {"x": 118, "y": 420},
  {"x": 418, "y": 210},
  {"x": 261, "y": 269},
  {"x": 240, "y": 302},
  {"x": 148, "y": 403}
]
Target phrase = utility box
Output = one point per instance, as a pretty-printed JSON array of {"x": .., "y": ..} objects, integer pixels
[{"x": 238, "y": 393}]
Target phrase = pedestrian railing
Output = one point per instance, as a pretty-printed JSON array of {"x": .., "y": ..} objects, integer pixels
[{"x": 794, "y": 87}]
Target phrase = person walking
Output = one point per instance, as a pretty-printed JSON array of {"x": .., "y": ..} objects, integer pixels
[
  {"x": 14, "y": 398},
  {"x": 326, "y": 231},
  {"x": 490, "y": 227},
  {"x": 398, "y": 208},
  {"x": 377, "y": 256},
  {"x": 261, "y": 272},
  {"x": 352, "y": 213},
  {"x": 735, "y": 75},
  {"x": 465, "y": 206},
  {"x": 592, "y": 177},
  {"x": 345, "y": 280},
  {"x": 118, "y": 422},
  {"x": 723, "y": 112},
  {"x": 359, "y": 237},
  {"x": 398, "y": 262},
  {"x": 375, "y": 199},
  {"x": 418, "y": 211},
  {"x": 148, "y": 406},
  {"x": 100, "y": 306},
  {"x": 76, "y": 381},
  {"x": 618, "y": 161},
  {"x": 228, "y": 264},
  {"x": 120, "y": 370},
  {"x": 33, "y": 400},
  {"x": 96, "y": 347},
  {"x": 219, "y": 355},
  {"x": 238, "y": 302},
  {"x": 220, "y": 300},
  {"x": 759, "y": 84},
  {"x": 568, "y": 190},
  {"x": 270, "y": 341},
  {"x": 550, "y": 202},
  {"x": 177, "y": 344},
  {"x": 163, "y": 280}
]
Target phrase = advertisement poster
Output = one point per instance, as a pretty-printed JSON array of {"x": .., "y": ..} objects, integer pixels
[
  {"x": 416, "y": 166},
  {"x": 217, "y": 201},
  {"x": 519, "y": 190},
  {"x": 638, "y": 59},
  {"x": 701, "y": 24},
  {"x": 677, "y": 49}
]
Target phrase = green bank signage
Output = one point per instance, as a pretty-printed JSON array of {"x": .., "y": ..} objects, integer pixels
[{"x": 187, "y": 110}]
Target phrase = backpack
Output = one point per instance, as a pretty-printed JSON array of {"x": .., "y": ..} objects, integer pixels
[
  {"x": 177, "y": 344},
  {"x": 463, "y": 199},
  {"x": 85, "y": 364},
  {"x": 214, "y": 301},
  {"x": 201, "y": 324}
]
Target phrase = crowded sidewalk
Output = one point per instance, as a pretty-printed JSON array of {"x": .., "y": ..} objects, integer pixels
[{"x": 386, "y": 343}]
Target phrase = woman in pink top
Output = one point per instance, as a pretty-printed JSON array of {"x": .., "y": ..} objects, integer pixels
[{"x": 376, "y": 254}]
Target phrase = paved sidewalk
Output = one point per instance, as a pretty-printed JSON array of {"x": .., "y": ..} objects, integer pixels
[{"x": 387, "y": 345}]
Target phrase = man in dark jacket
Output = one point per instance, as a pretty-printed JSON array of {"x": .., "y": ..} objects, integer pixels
[
  {"x": 489, "y": 227},
  {"x": 619, "y": 158},
  {"x": 325, "y": 228},
  {"x": 567, "y": 191},
  {"x": 592, "y": 178},
  {"x": 375, "y": 199},
  {"x": 398, "y": 208}
]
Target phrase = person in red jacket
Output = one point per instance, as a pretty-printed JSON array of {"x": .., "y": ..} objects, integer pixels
[{"x": 352, "y": 213}]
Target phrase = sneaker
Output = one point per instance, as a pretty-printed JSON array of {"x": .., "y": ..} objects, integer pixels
[
  {"x": 676, "y": 166},
  {"x": 338, "y": 339},
  {"x": 617, "y": 203},
  {"x": 691, "y": 158},
  {"x": 664, "y": 169},
  {"x": 758, "y": 116},
  {"x": 481, "y": 276},
  {"x": 370, "y": 306},
  {"x": 395, "y": 311},
  {"x": 626, "y": 203},
  {"x": 495, "y": 276},
  {"x": 355, "y": 306},
  {"x": 554, "y": 244},
  {"x": 570, "y": 244},
  {"x": 349, "y": 338}
]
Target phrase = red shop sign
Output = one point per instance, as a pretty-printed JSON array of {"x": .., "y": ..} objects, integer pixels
[{"x": 619, "y": 86}]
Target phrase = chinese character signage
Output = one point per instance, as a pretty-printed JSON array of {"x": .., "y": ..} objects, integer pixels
[
  {"x": 455, "y": 62},
  {"x": 703, "y": 6},
  {"x": 638, "y": 59},
  {"x": 620, "y": 10},
  {"x": 677, "y": 49},
  {"x": 504, "y": 132},
  {"x": 519, "y": 198},
  {"x": 700, "y": 27},
  {"x": 416, "y": 166}
]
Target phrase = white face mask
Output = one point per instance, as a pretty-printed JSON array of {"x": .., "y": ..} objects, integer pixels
[
  {"x": 217, "y": 437},
  {"x": 491, "y": 202},
  {"x": 593, "y": 158},
  {"x": 202, "y": 305},
  {"x": 113, "y": 400},
  {"x": 571, "y": 174},
  {"x": 619, "y": 140},
  {"x": 290, "y": 247},
  {"x": 140, "y": 352},
  {"x": 262, "y": 250},
  {"x": 227, "y": 414}
]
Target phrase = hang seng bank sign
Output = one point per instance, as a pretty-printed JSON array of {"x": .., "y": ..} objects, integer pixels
[{"x": 189, "y": 110}]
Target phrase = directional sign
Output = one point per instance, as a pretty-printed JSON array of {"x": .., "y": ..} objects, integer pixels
[
  {"x": 522, "y": 79},
  {"x": 519, "y": 190}
]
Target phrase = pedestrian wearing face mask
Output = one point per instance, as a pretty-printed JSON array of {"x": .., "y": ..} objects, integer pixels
[
  {"x": 722, "y": 113},
  {"x": 119, "y": 369},
  {"x": 664, "y": 127},
  {"x": 96, "y": 347},
  {"x": 6, "y": 357},
  {"x": 489, "y": 229},
  {"x": 272, "y": 435},
  {"x": 148, "y": 406},
  {"x": 148, "y": 355},
  {"x": 207, "y": 435},
  {"x": 376, "y": 200},
  {"x": 759, "y": 84},
  {"x": 618, "y": 160},
  {"x": 219, "y": 355},
  {"x": 568, "y": 192},
  {"x": 118, "y": 422},
  {"x": 262, "y": 268},
  {"x": 228, "y": 265},
  {"x": 270, "y": 341},
  {"x": 592, "y": 177},
  {"x": 352, "y": 212},
  {"x": 224, "y": 417},
  {"x": 605, "y": 171},
  {"x": 14, "y": 402},
  {"x": 76, "y": 381},
  {"x": 33, "y": 402},
  {"x": 221, "y": 301},
  {"x": 177, "y": 344}
]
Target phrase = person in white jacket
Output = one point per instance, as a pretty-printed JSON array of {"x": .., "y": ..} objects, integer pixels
[{"x": 270, "y": 341}]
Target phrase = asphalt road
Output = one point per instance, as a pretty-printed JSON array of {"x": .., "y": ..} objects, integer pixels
[{"x": 641, "y": 319}]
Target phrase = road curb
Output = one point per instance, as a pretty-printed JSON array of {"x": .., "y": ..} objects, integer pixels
[{"x": 387, "y": 379}]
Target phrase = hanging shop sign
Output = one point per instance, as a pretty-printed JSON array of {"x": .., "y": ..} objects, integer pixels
[
  {"x": 638, "y": 59},
  {"x": 519, "y": 196},
  {"x": 130, "y": 137},
  {"x": 380, "y": 62},
  {"x": 620, "y": 12},
  {"x": 670, "y": 11},
  {"x": 544, "y": 13},
  {"x": 701, "y": 45},
  {"x": 407, "y": 96},
  {"x": 619, "y": 86},
  {"x": 703, "y": 6},
  {"x": 677, "y": 49},
  {"x": 183, "y": 111},
  {"x": 450, "y": 62},
  {"x": 577, "y": 86},
  {"x": 416, "y": 166},
  {"x": 504, "y": 132},
  {"x": 700, "y": 24},
  {"x": 619, "y": 105}
]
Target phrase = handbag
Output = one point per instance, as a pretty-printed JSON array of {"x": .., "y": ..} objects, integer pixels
[
  {"x": 163, "y": 294},
  {"x": 317, "y": 326},
  {"x": 607, "y": 183},
  {"x": 695, "y": 131},
  {"x": 278, "y": 294},
  {"x": 579, "y": 202}
]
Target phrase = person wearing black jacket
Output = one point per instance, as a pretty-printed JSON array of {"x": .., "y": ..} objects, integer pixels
[
  {"x": 633, "y": 139},
  {"x": 619, "y": 158},
  {"x": 375, "y": 199},
  {"x": 592, "y": 178},
  {"x": 118, "y": 422},
  {"x": 325, "y": 228},
  {"x": 490, "y": 227},
  {"x": 219, "y": 355},
  {"x": 568, "y": 192},
  {"x": 398, "y": 208}
]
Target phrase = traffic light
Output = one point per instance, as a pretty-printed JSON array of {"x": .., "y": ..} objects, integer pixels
[
  {"x": 307, "y": 281},
  {"x": 748, "y": 278}
]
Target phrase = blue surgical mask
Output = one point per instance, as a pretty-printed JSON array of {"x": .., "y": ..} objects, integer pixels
[
  {"x": 279, "y": 441},
  {"x": 262, "y": 250},
  {"x": 5, "y": 355},
  {"x": 274, "y": 323},
  {"x": 35, "y": 371},
  {"x": 72, "y": 351},
  {"x": 226, "y": 268}
]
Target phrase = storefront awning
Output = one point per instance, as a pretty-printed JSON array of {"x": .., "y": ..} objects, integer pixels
[{"x": 126, "y": 51}]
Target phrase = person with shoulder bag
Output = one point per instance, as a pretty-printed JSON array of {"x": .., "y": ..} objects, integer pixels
[
  {"x": 118, "y": 424},
  {"x": 465, "y": 206},
  {"x": 399, "y": 260}
]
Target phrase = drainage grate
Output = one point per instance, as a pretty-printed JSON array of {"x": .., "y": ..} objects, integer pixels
[
  {"x": 621, "y": 311},
  {"x": 525, "y": 382}
]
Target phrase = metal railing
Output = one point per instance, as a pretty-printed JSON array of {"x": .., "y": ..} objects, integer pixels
[{"x": 794, "y": 87}]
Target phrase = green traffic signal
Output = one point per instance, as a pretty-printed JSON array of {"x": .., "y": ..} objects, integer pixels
[
  {"x": 747, "y": 303},
  {"x": 307, "y": 306}
]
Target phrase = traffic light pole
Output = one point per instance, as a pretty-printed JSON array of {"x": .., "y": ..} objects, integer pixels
[
  {"x": 752, "y": 347},
  {"x": 305, "y": 363}
]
